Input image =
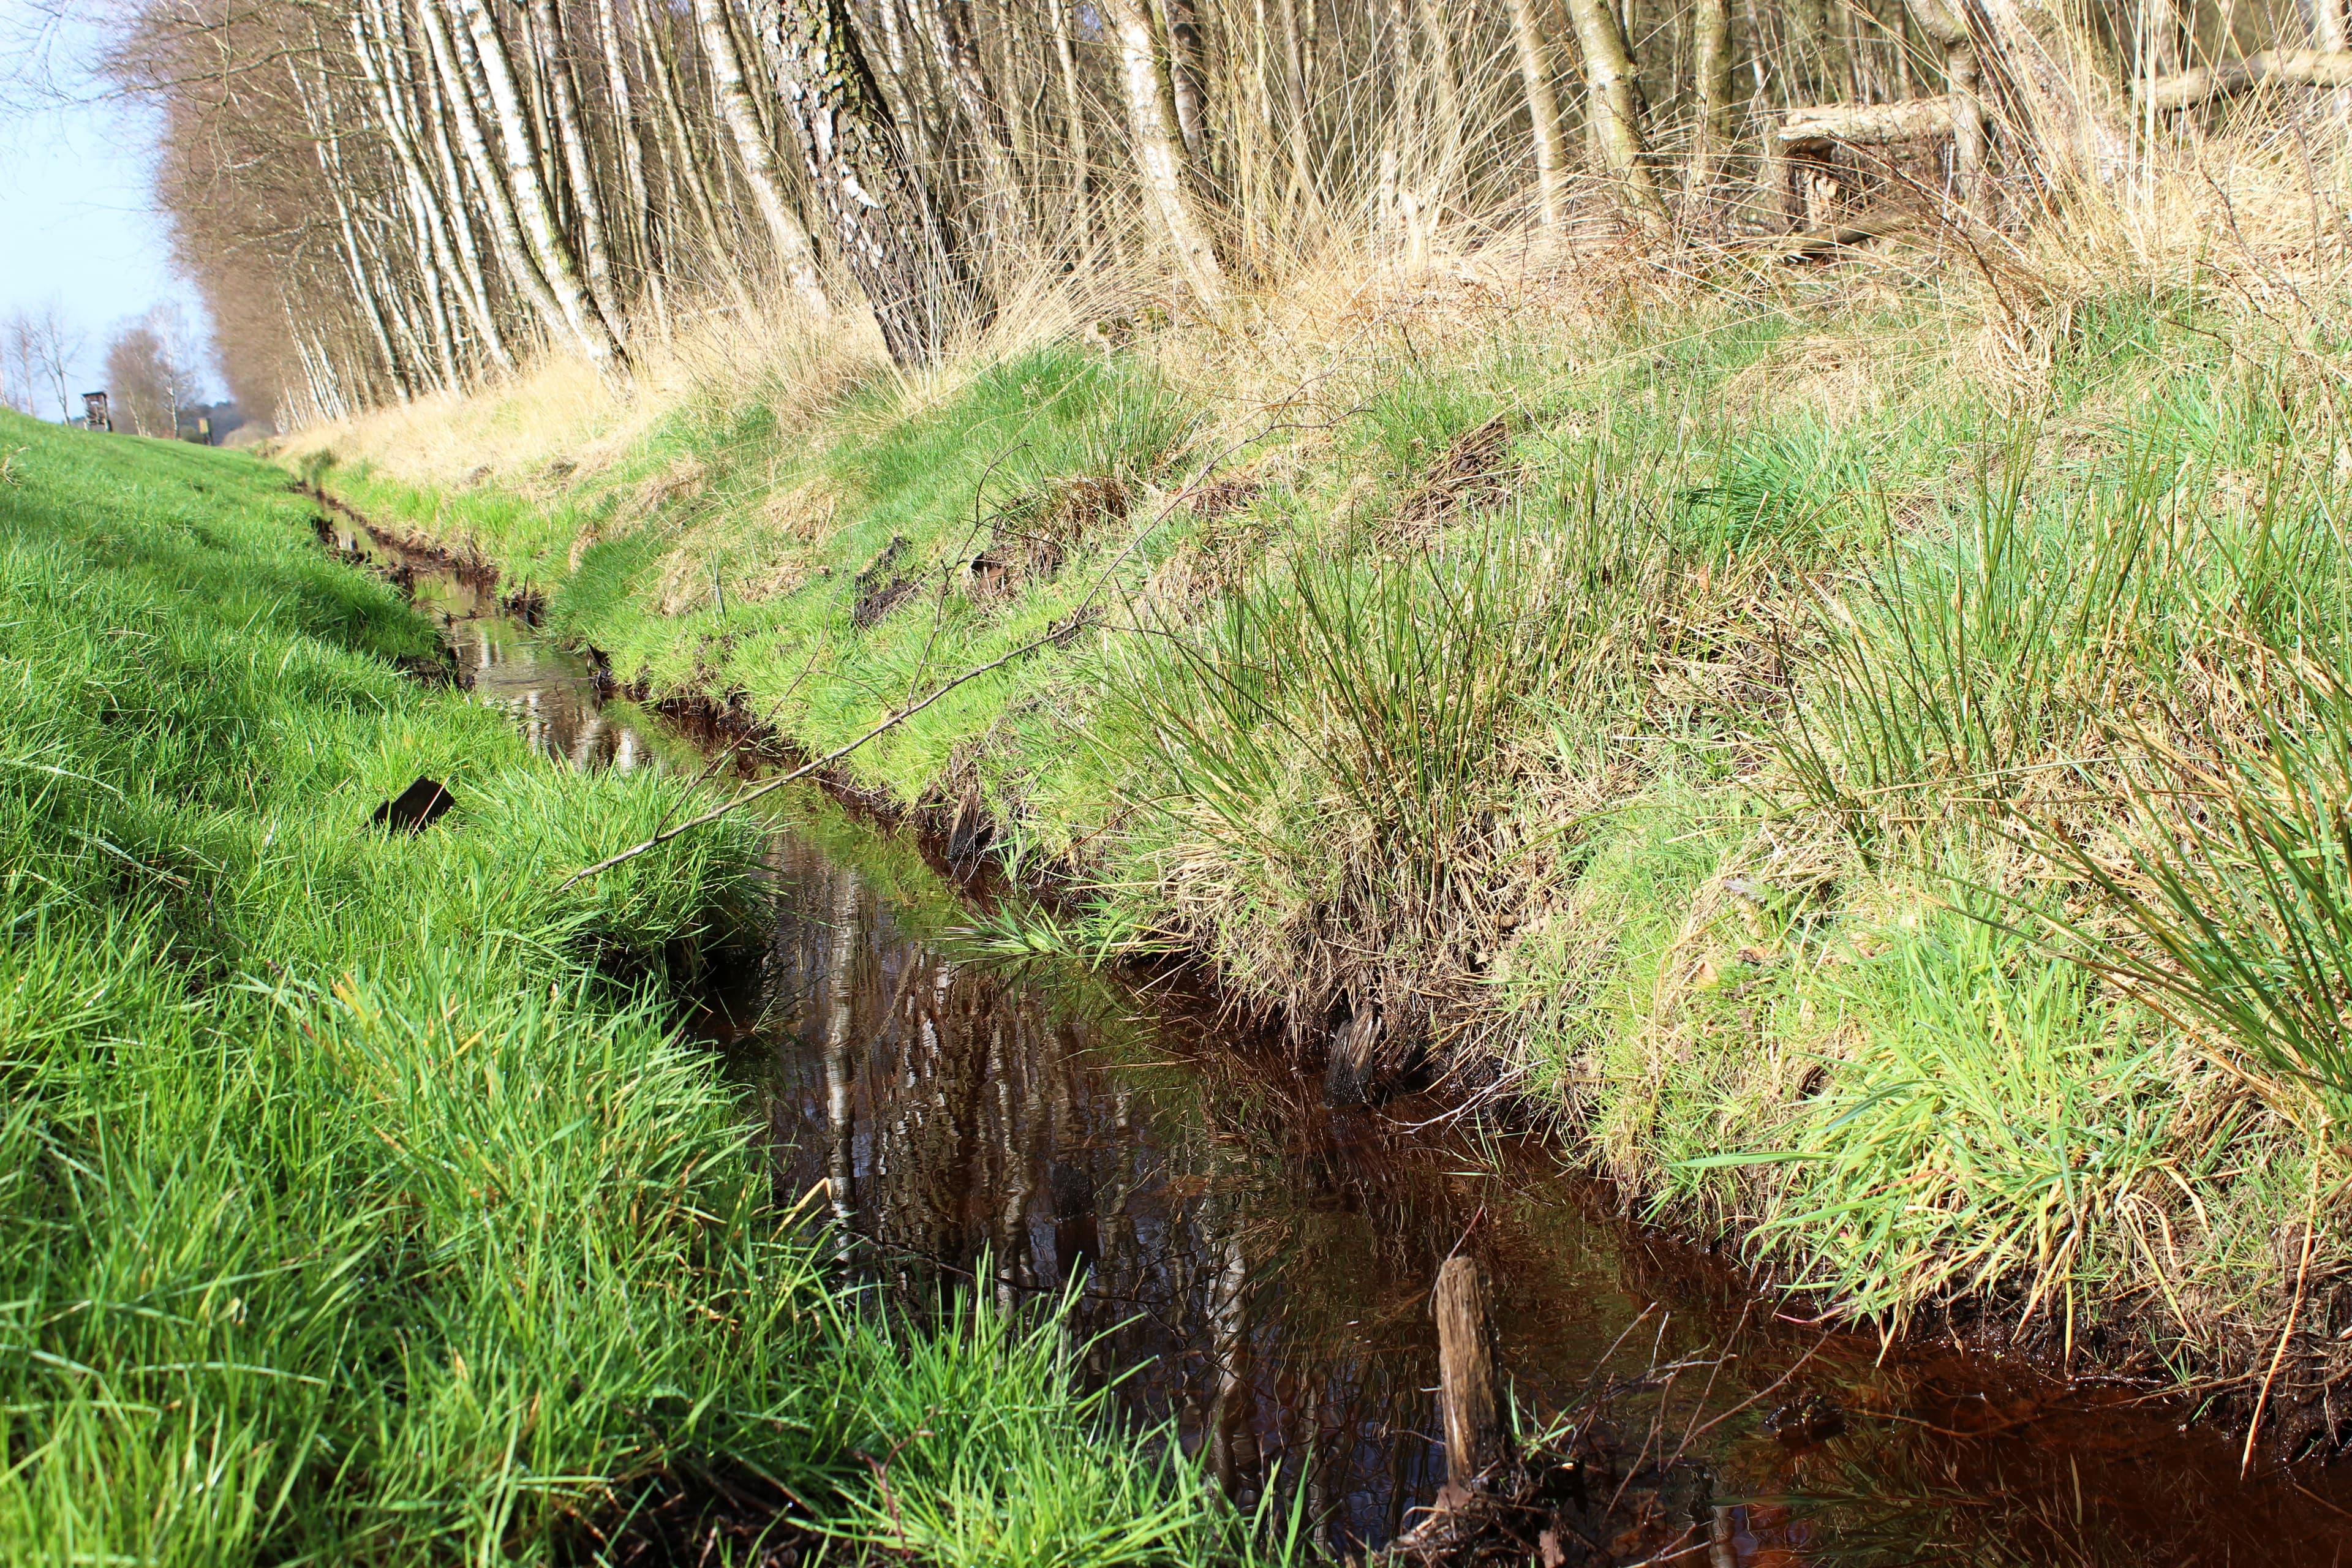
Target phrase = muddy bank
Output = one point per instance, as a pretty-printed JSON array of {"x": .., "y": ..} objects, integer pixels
[{"x": 1253, "y": 1261}]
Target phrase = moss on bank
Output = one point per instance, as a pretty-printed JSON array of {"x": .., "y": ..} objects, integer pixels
[
  {"x": 358, "y": 1199},
  {"x": 1679, "y": 717}
]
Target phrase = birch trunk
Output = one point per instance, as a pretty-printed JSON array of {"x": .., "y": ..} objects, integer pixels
[
  {"x": 893, "y": 240},
  {"x": 1614, "y": 105},
  {"x": 580, "y": 169},
  {"x": 1306, "y": 178},
  {"x": 1186, "y": 81},
  {"x": 1543, "y": 112},
  {"x": 1073, "y": 108},
  {"x": 1950, "y": 28},
  {"x": 639, "y": 221},
  {"x": 1159, "y": 152},
  {"x": 1437, "y": 28},
  {"x": 429, "y": 215},
  {"x": 1817, "y": 20},
  {"x": 521, "y": 270},
  {"x": 690, "y": 173},
  {"x": 492, "y": 69},
  {"x": 439, "y": 116},
  {"x": 2074, "y": 117},
  {"x": 2304, "y": 67},
  {"x": 795, "y": 253},
  {"x": 950, "y": 25},
  {"x": 1711, "y": 71},
  {"x": 326, "y": 143}
]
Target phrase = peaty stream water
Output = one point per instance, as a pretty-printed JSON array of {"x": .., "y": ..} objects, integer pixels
[{"x": 1258, "y": 1267}]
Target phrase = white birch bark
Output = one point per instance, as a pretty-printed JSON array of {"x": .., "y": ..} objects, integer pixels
[
  {"x": 436, "y": 252},
  {"x": 326, "y": 144},
  {"x": 1614, "y": 104},
  {"x": 580, "y": 168},
  {"x": 437, "y": 116},
  {"x": 2074, "y": 116},
  {"x": 640, "y": 224},
  {"x": 491, "y": 71},
  {"x": 1159, "y": 154},
  {"x": 1543, "y": 112},
  {"x": 519, "y": 267},
  {"x": 1950, "y": 28},
  {"x": 1074, "y": 107},
  {"x": 795, "y": 252},
  {"x": 950, "y": 25},
  {"x": 690, "y": 172}
]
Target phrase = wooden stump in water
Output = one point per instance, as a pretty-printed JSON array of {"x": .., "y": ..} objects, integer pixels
[{"x": 1468, "y": 1392}]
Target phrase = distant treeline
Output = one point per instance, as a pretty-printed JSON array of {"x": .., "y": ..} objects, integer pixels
[{"x": 382, "y": 197}]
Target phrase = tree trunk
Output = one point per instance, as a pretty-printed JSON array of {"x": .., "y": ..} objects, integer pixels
[
  {"x": 624, "y": 134},
  {"x": 2162, "y": 35},
  {"x": 2302, "y": 68},
  {"x": 439, "y": 115},
  {"x": 1469, "y": 1391},
  {"x": 1158, "y": 150},
  {"x": 563, "y": 100},
  {"x": 1615, "y": 98},
  {"x": 795, "y": 253},
  {"x": 889, "y": 233},
  {"x": 950, "y": 25},
  {"x": 1073, "y": 108},
  {"x": 690, "y": 172},
  {"x": 435, "y": 252},
  {"x": 326, "y": 145},
  {"x": 491, "y": 71},
  {"x": 1831, "y": 75},
  {"x": 516, "y": 262},
  {"x": 1950, "y": 28},
  {"x": 1306, "y": 178},
  {"x": 1187, "y": 83},
  {"x": 1543, "y": 112},
  {"x": 2072, "y": 115},
  {"x": 1711, "y": 67}
]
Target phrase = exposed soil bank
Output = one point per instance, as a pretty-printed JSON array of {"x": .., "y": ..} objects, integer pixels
[{"x": 1262, "y": 1257}]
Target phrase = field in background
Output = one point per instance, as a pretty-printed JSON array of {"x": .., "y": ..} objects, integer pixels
[
  {"x": 1864, "y": 747},
  {"x": 358, "y": 1199}
]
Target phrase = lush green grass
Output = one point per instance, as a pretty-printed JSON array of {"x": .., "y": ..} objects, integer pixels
[
  {"x": 1899, "y": 825},
  {"x": 357, "y": 1202}
]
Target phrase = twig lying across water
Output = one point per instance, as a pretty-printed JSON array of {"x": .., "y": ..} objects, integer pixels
[
  {"x": 1077, "y": 618},
  {"x": 715, "y": 813}
]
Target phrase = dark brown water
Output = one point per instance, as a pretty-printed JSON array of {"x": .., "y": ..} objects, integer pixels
[{"x": 1257, "y": 1267}]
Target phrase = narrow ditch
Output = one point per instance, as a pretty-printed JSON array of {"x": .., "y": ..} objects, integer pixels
[{"x": 1255, "y": 1265}]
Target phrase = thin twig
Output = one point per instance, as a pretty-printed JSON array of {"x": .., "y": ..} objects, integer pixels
[
  {"x": 892, "y": 722},
  {"x": 1054, "y": 634}
]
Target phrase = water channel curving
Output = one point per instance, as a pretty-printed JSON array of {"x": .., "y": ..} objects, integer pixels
[{"x": 1257, "y": 1266}]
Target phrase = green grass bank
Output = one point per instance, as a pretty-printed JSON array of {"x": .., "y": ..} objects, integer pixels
[
  {"x": 358, "y": 1201},
  {"x": 1867, "y": 757}
]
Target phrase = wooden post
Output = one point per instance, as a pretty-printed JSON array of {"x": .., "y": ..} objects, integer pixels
[{"x": 1467, "y": 1390}]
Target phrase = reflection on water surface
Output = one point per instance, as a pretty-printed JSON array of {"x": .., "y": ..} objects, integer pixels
[{"x": 1258, "y": 1266}]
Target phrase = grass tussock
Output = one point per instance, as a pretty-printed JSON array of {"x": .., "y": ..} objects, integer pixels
[
  {"x": 358, "y": 1201},
  {"x": 1865, "y": 744}
]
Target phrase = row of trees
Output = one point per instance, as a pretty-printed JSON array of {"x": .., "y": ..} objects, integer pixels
[
  {"x": 382, "y": 197},
  {"x": 154, "y": 367},
  {"x": 38, "y": 349},
  {"x": 154, "y": 371}
]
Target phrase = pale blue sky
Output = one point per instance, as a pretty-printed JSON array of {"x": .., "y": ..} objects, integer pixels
[{"x": 77, "y": 214}]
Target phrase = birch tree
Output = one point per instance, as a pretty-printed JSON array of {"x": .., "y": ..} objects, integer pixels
[
  {"x": 490, "y": 73},
  {"x": 795, "y": 252},
  {"x": 1159, "y": 151},
  {"x": 889, "y": 231},
  {"x": 1613, "y": 96}
]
